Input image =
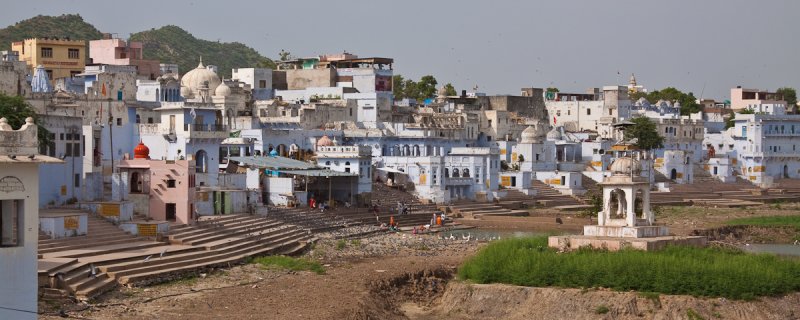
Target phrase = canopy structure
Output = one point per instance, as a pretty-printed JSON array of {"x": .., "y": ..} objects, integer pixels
[
  {"x": 393, "y": 170},
  {"x": 274, "y": 162},
  {"x": 319, "y": 173}
]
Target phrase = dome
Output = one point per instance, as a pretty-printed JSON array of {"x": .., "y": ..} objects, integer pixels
[
  {"x": 554, "y": 134},
  {"x": 223, "y": 90},
  {"x": 624, "y": 166},
  {"x": 532, "y": 134},
  {"x": 141, "y": 151},
  {"x": 324, "y": 142},
  {"x": 442, "y": 92},
  {"x": 200, "y": 77},
  {"x": 186, "y": 92}
]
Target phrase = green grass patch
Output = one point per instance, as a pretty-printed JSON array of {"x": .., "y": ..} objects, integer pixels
[
  {"x": 341, "y": 244},
  {"x": 770, "y": 221},
  {"x": 289, "y": 263},
  {"x": 709, "y": 272},
  {"x": 601, "y": 309}
]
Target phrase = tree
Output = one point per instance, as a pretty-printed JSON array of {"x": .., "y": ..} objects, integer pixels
[
  {"x": 426, "y": 87},
  {"x": 552, "y": 89},
  {"x": 731, "y": 121},
  {"x": 398, "y": 88},
  {"x": 284, "y": 55},
  {"x": 450, "y": 90},
  {"x": 645, "y": 131},
  {"x": 15, "y": 109},
  {"x": 687, "y": 100},
  {"x": 790, "y": 96}
]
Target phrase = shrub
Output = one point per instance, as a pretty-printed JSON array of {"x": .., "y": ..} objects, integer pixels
[
  {"x": 601, "y": 309},
  {"x": 711, "y": 272},
  {"x": 289, "y": 263},
  {"x": 341, "y": 244}
]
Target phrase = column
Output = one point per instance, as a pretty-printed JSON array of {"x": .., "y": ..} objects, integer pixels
[
  {"x": 646, "y": 212},
  {"x": 631, "y": 205}
]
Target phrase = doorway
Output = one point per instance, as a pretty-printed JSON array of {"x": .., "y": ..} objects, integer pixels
[
  {"x": 171, "y": 211},
  {"x": 785, "y": 171},
  {"x": 673, "y": 174}
]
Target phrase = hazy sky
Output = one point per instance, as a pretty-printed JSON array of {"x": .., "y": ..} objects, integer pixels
[{"x": 695, "y": 45}]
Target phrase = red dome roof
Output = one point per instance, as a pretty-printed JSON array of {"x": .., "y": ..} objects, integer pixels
[{"x": 141, "y": 151}]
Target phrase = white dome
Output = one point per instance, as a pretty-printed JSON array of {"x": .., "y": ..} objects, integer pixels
[
  {"x": 186, "y": 92},
  {"x": 533, "y": 134},
  {"x": 624, "y": 166},
  {"x": 223, "y": 90},
  {"x": 200, "y": 77},
  {"x": 554, "y": 134}
]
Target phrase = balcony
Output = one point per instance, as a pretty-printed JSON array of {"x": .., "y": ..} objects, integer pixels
[
  {"x": 206, "y": 131},
  {"x": 459, "y": 181}
]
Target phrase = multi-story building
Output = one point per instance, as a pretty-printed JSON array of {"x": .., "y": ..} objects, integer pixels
[
  {"x": 61, "y": 58},
  {"x": 758, "y": 101},
  {"x": 19, "y": 219},
  {"x": 766, "y": 147},
  {"x": 127, "y": 53},
  {"x": 588, "y": 111}
]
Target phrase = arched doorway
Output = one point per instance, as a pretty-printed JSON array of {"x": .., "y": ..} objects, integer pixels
[
  {"x": 785, "y": 171},
  {"x": 201, "y": 162},
  {"x": 282, "y": 151},
  {"x": 673, "y": 174}
]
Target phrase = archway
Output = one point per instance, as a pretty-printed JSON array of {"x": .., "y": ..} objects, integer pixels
[
  {"x": 455, "y": 173},
  {"x": 136, "y": 183},
  {"x": 673, "y": 174},
  {"x": 617, "y": 204},
  {"x": 465, "y": 173},
  {"x": 282, "y": 150},
  {"x": 201, "y": 162},
  {"x": 416, "y": 151},
  {"x": 785, "y": 171}
]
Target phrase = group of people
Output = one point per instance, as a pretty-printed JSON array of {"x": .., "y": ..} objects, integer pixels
[
  {"x": 312, "y": 203},
  {"x": 402, "y": 208}
]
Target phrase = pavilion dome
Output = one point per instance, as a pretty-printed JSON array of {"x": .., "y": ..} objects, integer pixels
[
  {"x": 223, "y": 90},
  {"x": 200, "y": 77},
  {"x": 532, "y": 134},
  {"x": 324, "y": 142},
  {"x": 186, "y": 92},
  {"x": 141, "y": 151},
  {"x": 626, "y": 166},
  {"x": 554, "y": 134}
]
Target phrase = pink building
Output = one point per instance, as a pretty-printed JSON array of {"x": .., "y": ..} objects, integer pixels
[
  {"x": 159, "y": 189},
  {"x": 118, "y": 52}
]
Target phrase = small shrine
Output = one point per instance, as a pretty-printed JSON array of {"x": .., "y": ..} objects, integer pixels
[{"x": 626, "y": 219}]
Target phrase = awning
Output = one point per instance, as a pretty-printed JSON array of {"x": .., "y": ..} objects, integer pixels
[
  {"x": 273, "y": 163},
  {"x": 393, "y": 170},
  {"x": 319, "y": 173}
]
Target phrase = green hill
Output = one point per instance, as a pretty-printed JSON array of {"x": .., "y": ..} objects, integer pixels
[
  {"x": 171, "y": 44},
  {"x": 63, "y": 26}
]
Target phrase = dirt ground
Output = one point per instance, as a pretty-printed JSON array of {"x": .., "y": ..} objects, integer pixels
[{"x": 396, "y": 276}]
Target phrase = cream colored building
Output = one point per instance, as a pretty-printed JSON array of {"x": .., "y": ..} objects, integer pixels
[{"x": 61, "y": 58}]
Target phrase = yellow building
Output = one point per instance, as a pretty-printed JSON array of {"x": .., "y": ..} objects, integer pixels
[{"x": 60, "y": 58}]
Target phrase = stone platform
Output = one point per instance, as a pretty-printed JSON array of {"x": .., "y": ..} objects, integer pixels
[
  {"x": 574, "y": 242},
  {"x": 626, "y": 231}
]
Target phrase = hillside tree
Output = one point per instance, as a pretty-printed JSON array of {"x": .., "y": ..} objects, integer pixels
[{"x": 646, "y": 132}]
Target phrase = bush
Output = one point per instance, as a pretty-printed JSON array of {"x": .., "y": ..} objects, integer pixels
[
  {"x": 601, "y": 309},
  {"x": 710, "y": 272},
  {"x": 341, "y": 244},
  {"x": 289, "y": 263}
]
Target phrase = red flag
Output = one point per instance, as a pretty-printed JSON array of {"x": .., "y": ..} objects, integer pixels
[
  {"x": 103, "y": 90},
  {"x": 554, "y": 120}
]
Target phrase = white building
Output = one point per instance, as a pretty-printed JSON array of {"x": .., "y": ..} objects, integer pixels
[
  {"x": 758, "y": 101},
  {"x": 19, "y": 219},
  {"x": 766, "y": 147},
  {"x": 349, "y": 159}
]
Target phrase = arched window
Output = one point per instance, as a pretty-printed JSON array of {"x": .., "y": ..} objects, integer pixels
[
  {"x": 466, "y": 173},
  {"x": 327, "y": 163},
  {"x": 455, "y": 173},
  {"x": 347, "y": 163},
  {"x": 138, "y": 119},
  {"x": 201, "y": 162}
]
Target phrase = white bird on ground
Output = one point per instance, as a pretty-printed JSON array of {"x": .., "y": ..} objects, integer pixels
[
  {"x": 469, "y": 235},
  {"x": 797, "y": 242},
  {"x": 452, "y": 237},
  {"x": 92, "y": 271},
  {"x": 147, "y": 259},
  {"x": 162, "y": 253}
]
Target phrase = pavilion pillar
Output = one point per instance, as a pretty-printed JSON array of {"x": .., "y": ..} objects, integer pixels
[{"x": 631, "y": 205}]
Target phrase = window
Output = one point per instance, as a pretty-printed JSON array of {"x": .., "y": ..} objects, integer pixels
[
  {"x": 171, "y": 183},
  {"x": 149, "y": 119},
  {"x": 262, "y": 83},
  {"x": 11, "y": 223},
  {"x": 77, "y": 180},
  {"x": 588, "y": 112},
  {"x": 74, "y": 53},
  {"x": 49, "y": 74},
  {"x": 119, "y": 121},
  {"x": 569, "y": 112},
  {"x": 73, "y": 74},
  {"x": 610, "y": 112},
  {"x": 47, "y": 52},
  {"x": 76, "y": 149},
  {"x": 68, "y": 150},
  {"x": 138, "y": 119}
]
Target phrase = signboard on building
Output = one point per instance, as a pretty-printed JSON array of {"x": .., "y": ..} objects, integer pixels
[
  {"x": 71, "y": 222},
  {"x": 109, "y": 210},
  {"x": 146, "y": 230}
]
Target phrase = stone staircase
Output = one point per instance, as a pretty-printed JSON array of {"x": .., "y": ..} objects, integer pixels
[
  {"x": 99, "y": 232},
  {"x": 213, "y": 241},
  {"x": 476, "y": 210},
  {"x": 547, "y": 196}
]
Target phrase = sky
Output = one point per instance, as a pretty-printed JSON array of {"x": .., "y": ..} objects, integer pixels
[{"x": 700, "y": 46}]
